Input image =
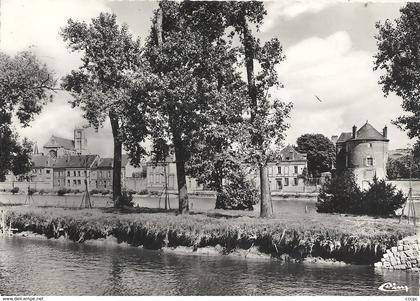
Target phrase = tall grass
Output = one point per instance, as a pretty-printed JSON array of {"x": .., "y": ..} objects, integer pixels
[{"x": 360, "y": 240}]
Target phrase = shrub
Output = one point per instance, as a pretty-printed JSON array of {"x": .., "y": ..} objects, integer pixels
[
  {"x": 126, "y": 200},
  {"x": 144, "y": 191},
  {"x": 94, "y": 191},
  {"x": 105, "y": 192},
  {"x": 341, "y": 194},
  {"x": 14, "y": 190},
  {"x": 63, "y": 191},
  {"x": 238, "y": 194},
  {"x": 42, "y": 191},
  {"x": 382, "y": 199},
  {"x": 31, "y": 191}
]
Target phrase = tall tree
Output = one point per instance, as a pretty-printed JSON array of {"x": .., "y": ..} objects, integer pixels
[
  {"x": 187, "y": 55},
  {"x": 267, "y": 116},
  {"x": 399, "y": 57},
  {"x": 103, "y": 87},
  {"x": 26, "y": 85},
  {"x": 320, "y": 152}
]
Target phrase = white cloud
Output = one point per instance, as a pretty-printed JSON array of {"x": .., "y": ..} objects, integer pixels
[
  {"x": 289, "y": 9},
  {"x": 37, "y": 24},
  {"x": 343, "y": 78}
]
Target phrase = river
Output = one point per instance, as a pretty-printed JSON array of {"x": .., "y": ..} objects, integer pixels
[{"x": 33, "y": 266}]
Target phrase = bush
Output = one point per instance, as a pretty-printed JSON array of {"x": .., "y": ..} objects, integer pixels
[
  {"x": 126, "y": 199},
  {"x": 382, "y": 199},
  {"x": 42, "y": 191},
  {"x": 94, "y": 191},
  {"x": 31, "y": 191},
  {"x": 144, "y": 191},
  {"x": 63, "y": 191},
  {"x": 14, "y": 190},
  {"x": 342, "y": 195},
  {"x": 238, "y": 194},
  {"x": 105, "y": 192}
]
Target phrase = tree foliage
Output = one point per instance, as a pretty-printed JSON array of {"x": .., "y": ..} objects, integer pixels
[
  {"x": 103, "y": 85},
  {"x": 26, "y": 85},
  {"x": 399, "y": 57},
  {"x": 267, "y": 116},
  {"x": 192, "y": 80},
  {"x": 400, "y": 168},
  {"x": 320, "y": 152}
]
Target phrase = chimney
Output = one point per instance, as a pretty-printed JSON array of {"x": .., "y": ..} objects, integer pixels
[
  {"x": 334, "y": 139},
  {"x": 354, "y": 131},
  {"x": 385, "y": 132}
]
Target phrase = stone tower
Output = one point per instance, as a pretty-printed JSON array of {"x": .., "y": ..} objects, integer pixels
[
  {"x": 80, "y": 141},
  {"x": 364, "y": 152}
]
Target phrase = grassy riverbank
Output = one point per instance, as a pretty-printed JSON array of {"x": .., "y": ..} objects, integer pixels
[{"x": 350, "y": 239}]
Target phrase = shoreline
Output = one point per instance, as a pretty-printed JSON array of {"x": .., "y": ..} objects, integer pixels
[{"x": 252, "y": 253}]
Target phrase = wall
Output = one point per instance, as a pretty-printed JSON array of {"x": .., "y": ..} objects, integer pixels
[
  {"x": 136, "y": 184},
  {"x": 404, "y": 256},
  {"x": 358, "y": 151}
]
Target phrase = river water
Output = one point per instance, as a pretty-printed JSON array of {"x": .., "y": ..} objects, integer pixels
[{"x": 31, "y": 266}]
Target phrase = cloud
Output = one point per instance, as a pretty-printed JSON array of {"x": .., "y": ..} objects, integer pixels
[
  {"x": 343, "y": 78},
  {"x": 36, "y": 24},
  {"x": 289, "y": 9}
]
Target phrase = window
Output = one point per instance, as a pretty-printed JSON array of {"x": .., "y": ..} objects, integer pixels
[
  {"x": 85, "y": 172},
  {"x": 286, "y": 181},
  {"x": 369, "y": 161},
  {"x": 286, "y": 170},
  {"x": 58, "y": 182},
  {"x": 68, "y": 182},
  {"x": 109, "y": 174},
  {"x": 68, "y": 173},
  {"x": 74, "y": 173},
  {"x": 296, "y": 169},
  {"x": 279, "y": 184},
  {"x": 370, "y": 145},
  {"x": 78, "y": 182},
  {"x": 40, "y": 171},
  {"x": 78, "y": 173},
  {"x": 279, "y": 170},
  {"x": 47, "y": 171},
  {"x": 74, "y": 182},
  {"x": 295, "y": 180}
]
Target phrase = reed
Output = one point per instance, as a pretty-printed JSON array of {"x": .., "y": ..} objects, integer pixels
[{"x": 352, "y": 239}]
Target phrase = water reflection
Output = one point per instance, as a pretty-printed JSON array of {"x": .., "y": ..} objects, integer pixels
[{"x": 44, "y": 267}]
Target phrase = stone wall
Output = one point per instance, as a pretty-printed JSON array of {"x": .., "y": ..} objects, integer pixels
[{"x": 405, "y": 256}]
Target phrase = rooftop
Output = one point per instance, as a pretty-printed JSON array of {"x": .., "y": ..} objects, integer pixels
[{"x": 60, "y": 142}]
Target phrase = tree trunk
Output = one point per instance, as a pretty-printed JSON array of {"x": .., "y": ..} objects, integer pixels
[
  {"x": 248, "y": 42},
  {"x": 181, "y": 179},
  {"x": 116, "y": 171},
  {"x": 266, "y": 205}
]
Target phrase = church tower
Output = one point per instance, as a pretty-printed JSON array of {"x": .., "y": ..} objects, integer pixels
[{"x": 80, "y": 140}]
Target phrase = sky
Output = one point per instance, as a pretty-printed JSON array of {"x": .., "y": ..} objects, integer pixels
[{"x": 329, "y": 48}]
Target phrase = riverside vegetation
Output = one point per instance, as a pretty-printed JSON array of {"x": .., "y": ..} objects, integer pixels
[{"x": 351, "y": 239}]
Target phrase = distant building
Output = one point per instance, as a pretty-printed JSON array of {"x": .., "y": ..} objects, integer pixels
[
  {"x": 58, "y": 147},
  {"x": 163, "y": 174},
  {"x": 364, "y": 152},
  {"x": 287, "y": 174}
]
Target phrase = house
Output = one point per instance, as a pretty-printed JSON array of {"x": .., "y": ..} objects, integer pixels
[
  {"x": 288, "y": 173},
  {"x": 42, "y": 173},
  {"x": 71, "y": 172},
  {"x": 364, "y": 152},
  {"x": 102, "y": 172},
  {"x": 163, "y": 174}
]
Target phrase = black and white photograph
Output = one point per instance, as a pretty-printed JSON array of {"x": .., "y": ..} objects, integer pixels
[{"x": 209, "y": 148}]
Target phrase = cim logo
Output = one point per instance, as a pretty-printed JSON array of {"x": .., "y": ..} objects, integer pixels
[{"x": 392, "y": 287}]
